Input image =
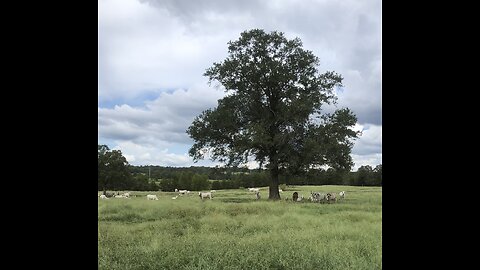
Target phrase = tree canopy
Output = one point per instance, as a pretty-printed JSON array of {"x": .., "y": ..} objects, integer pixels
[
  {"x": 272, "y": 111},
  {"x": 113, "y": 172}
]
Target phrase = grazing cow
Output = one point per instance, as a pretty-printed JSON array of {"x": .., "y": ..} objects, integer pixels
[
  {"x": 257, "y": 195},
  {"x": 319, "y": 197},
  {"x": 103, "y": 197},
  {"x": 152, "y": 197},
  {"x": 205, "y": 195},
  {"x": 295, "y": 196},
  {"x": 341, "y": 195},
  {"x": 108, "y": 194},
  {"x": 331, "y": 197},
  {"x": 183, "y": 191}
]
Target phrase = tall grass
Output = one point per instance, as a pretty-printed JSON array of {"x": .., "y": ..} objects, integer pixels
[{"x": 234, "y": 231}]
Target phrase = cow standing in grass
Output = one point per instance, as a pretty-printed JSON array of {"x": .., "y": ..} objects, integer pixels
[
  {"x": 318, "y": 197},
  {"x": 205, "y": 195},
  {"x": 331, "y": 197},
  {"x": 295, "y": 196},
  {"x": 152, "y": 197}
]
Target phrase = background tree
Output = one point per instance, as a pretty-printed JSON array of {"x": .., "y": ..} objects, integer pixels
[
  {"x": 113, "y": 171},
  {"x": 168, "y": 184},
  {"x": 217, "y": 185},
  {"x": 378, "y": 175},
  {"x": 200, "y": 182},
  {"x": 185, "y": 180},
  {"x": 168, "y": 177},
  {"x": 272, "y": 110},
  {"x": 364, "y": 175}
]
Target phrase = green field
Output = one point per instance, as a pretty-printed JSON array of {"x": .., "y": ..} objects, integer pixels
[{"x": 234, "y": 231}]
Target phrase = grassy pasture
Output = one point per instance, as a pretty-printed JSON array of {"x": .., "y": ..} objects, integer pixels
[{"x": 234, "y": 231}]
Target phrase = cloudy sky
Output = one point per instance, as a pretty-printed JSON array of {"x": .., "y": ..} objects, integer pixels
[{"x": 152, "y": 54}]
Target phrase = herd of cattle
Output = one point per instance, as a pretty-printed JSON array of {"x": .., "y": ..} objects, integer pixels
[
  {"x": 314, "y": 196},
  {"x": 324, "y": 197},
  {"x": 107, "y": 195}
]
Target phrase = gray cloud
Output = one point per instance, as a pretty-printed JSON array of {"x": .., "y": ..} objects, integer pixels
[
  {"x": 346, "y": 35},
  {"x": 190, "y": 10},
  {"x": 162, "y": 46}
]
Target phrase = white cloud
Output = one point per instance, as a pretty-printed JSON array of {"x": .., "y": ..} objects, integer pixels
[
  {"x": 151, "y": 155},
  {"x": 370, "y": 142},
  {"x": 363, "y": 160},
  {"x": 138, "y": 154},
  {"x": 161, "y": 121}
]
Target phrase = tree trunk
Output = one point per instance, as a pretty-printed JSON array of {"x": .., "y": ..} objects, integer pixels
[{"x": 274, "y": 194}]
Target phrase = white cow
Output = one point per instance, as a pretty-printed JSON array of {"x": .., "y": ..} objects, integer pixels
[
  {"x": 341, "y": 195},
  {"x": 331, "y": 197},
  {"x": 103, "y": 197},
  {"x": 319, "y": 197},
  {"x": 254, "y": 189},
  {"x": 152, "y": 197},
  {"x": 183, "y": 191},
  {"x": 120, "y": 196},
  {"x": 127, "y": 194},
  {"x": 205, "y": 195},
  {"x": 280, "y": 190},
  {"x": 174, "y": 198},
  {"x": 213, "y": 191}
]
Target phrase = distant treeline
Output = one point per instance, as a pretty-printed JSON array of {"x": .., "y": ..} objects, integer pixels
[
  {"x": 114, "y": 173},
  {"x": 202, "y": 178}
]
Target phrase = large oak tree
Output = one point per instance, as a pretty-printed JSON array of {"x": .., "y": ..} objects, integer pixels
[{"x": 273, "y": 110}]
